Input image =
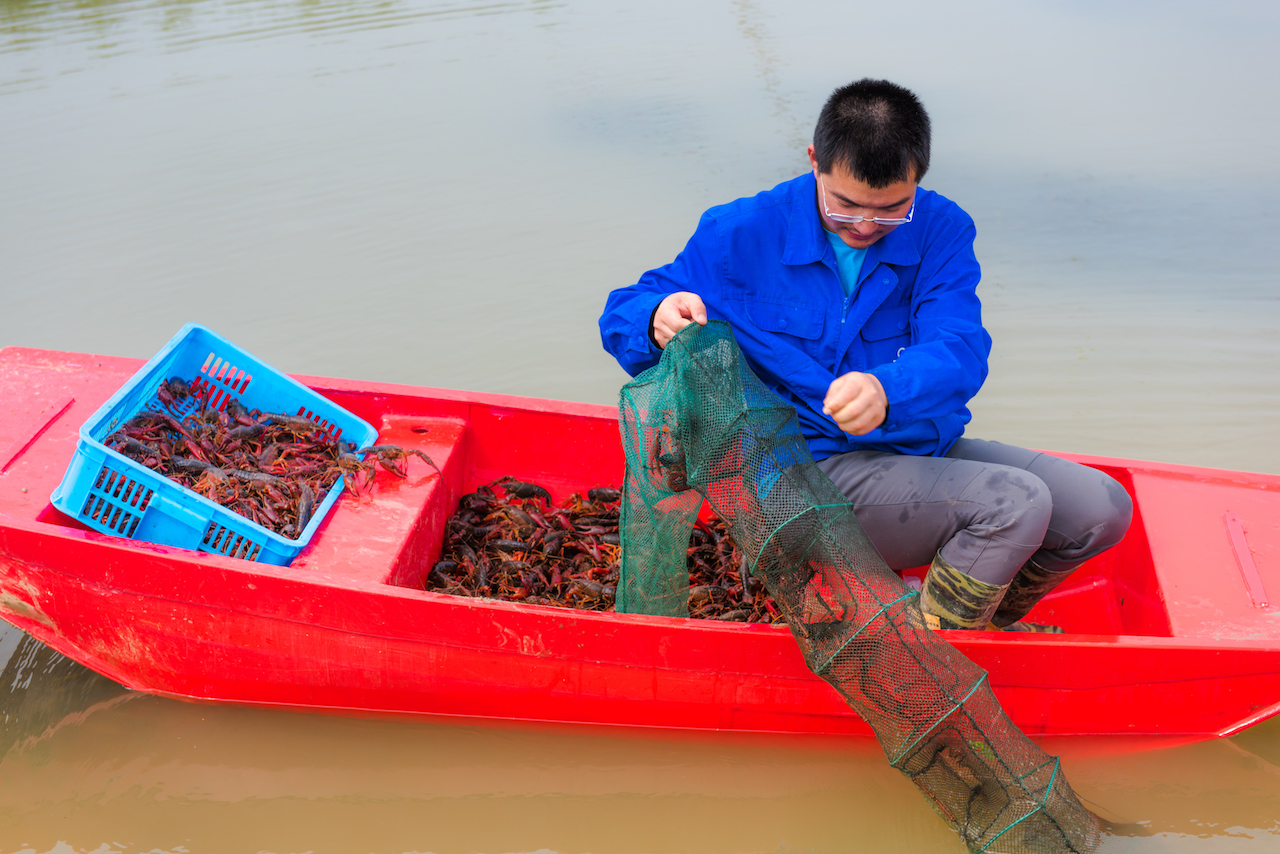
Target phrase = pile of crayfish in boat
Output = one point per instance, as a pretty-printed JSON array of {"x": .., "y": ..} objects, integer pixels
[
  {"x": 269, "y": 467},
  {"x": 508, "y": 541}
]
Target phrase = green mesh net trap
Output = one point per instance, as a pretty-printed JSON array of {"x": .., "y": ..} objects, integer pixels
[{"x": 700, "y": 425}]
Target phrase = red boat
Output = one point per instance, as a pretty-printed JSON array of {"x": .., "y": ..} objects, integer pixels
[{"x": 1170, "y": 633}]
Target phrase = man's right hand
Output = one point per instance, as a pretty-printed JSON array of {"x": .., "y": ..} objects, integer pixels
[
  {"x": 675, "y": 313},
  {"x": 857, "y": 403}
]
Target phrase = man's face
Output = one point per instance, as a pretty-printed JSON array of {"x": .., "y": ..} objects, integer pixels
[{"x": 845, "y": 195}]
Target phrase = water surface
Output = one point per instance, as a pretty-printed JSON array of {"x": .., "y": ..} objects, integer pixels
[{"x": 441, "y": 193}]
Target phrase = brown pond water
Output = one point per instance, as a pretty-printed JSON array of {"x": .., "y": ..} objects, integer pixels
[{"x": 441, "y": 193}]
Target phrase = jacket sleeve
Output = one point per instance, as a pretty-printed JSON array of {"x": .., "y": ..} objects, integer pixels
[
  {"x": 625, "y": 325},
  {"x": 946, "y": 363}
]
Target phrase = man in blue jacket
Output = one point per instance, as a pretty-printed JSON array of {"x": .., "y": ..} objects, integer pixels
[{"x": 852, "y": 293}]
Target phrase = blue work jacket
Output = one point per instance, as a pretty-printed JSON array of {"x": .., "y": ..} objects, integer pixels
[{"x": 763, "y": 264}]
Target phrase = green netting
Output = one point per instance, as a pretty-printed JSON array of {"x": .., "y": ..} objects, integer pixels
[{"x": 700, "y": 425}]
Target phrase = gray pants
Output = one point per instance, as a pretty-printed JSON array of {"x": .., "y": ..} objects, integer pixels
[{"x": 986, "y": 506}]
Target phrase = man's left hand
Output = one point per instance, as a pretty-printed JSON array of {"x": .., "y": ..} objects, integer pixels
[{"x": 857, "y": 402}]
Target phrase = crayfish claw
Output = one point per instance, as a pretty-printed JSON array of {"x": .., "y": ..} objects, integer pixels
[
  {"x": 428, "y": 461},
  {"x": 389, "y": 463}
]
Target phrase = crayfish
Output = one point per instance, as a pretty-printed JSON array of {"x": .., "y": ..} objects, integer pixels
[
  {"x": 509, "y": 541},
  {"x": 269, "y": 467}
]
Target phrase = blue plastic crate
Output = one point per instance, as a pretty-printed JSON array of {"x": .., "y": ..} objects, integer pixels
[{"x": 111, "y": 493}]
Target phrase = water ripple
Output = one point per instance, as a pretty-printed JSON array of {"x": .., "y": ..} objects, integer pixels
[{"x": 113, "y": 27}]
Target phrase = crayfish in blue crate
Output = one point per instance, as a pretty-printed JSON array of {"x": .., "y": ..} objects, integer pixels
[{"x": 269, "y": 467}]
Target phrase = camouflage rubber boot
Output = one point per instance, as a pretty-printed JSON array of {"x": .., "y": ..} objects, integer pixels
[
  {"x": 1028, "y": 587},
  {"x": 952, "y": 600}
]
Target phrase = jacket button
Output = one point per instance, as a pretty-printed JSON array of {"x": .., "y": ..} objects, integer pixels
[
  {"x": 886, "y": 281},
  {"x": 902, "y": 324},
  {"x": 783, "y": 323}
]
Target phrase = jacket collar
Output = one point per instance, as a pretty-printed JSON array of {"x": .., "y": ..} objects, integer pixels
[{"x": 807, "y": 243}]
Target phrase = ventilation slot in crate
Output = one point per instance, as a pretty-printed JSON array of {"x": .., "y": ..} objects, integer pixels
[
  {"x": 326, "y": 428},
  {"x": 220, "y": 371},
  {"x": 116, "y": 503},
  {"x": 224, "y": 540}
]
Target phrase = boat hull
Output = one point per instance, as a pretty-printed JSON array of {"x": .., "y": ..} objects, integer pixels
[
  {"x": 189, "y": 629},
  {"x": 347, "y": 628}
]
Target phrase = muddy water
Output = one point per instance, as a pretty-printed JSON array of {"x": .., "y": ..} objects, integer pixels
[
  {"x": 440, "y": 193},
  {"x": 118, "y": 772}
]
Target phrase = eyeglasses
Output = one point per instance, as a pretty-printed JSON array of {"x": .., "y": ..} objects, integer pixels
[{"x": 854, "y": 220}]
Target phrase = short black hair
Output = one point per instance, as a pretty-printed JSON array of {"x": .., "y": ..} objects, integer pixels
[{"x": 876, "y": 130}]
